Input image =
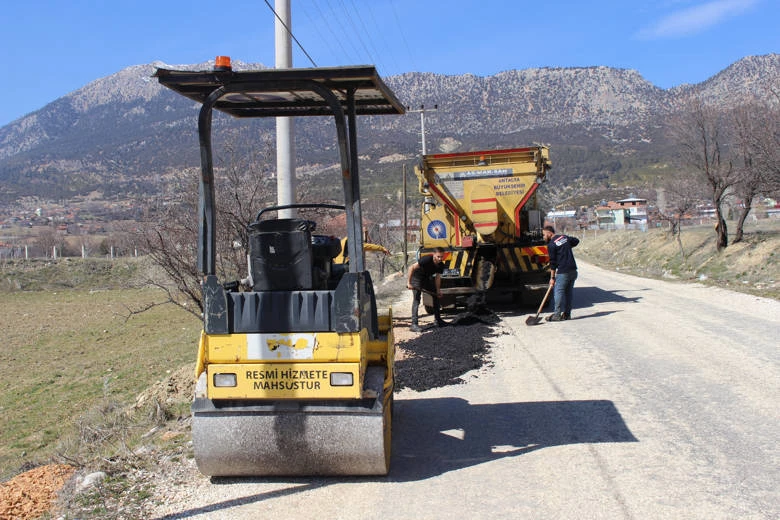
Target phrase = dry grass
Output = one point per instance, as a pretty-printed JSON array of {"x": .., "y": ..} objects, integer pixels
[{"x": 750, "y": 266}]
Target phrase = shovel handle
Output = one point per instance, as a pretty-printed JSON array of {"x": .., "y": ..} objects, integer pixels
[
  {"x": 544, "y": 300},
  {"x": 426, "y": 291}
]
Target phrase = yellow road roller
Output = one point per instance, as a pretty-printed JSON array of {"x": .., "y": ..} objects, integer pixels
[{"x": 295, "y": 366}]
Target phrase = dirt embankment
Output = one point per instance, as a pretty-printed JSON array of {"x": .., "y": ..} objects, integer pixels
[{"x": 749, "y": 266}]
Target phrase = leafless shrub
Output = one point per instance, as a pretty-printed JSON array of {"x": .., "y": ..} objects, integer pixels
[{"x": 100, "y": 434}]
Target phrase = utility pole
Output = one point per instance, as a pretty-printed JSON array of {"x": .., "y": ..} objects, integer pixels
[
  {"x": 422, "y": 123},
  {"x": 406, "y": 231},
  {"x": 285, "y": 140}
]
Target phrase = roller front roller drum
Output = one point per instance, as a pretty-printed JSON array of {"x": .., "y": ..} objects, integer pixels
[{"x": 293, "y": 438}]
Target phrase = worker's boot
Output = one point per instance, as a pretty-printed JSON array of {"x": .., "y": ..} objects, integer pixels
[
  {"x": 414, "y": 327},
  {"x": 437, "y": 314},
  {"x": 440, "y": 322}
]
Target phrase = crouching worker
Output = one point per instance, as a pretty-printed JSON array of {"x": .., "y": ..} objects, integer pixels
[{"x": 425, "y": 275}]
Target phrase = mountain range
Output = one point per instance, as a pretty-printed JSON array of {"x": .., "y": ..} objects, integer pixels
[{"x": 121, "y": 135}]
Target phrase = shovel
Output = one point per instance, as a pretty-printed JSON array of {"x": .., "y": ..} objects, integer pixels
[
  {"x": 534, "y": 320},
  {"x": 433, "y": 294}
]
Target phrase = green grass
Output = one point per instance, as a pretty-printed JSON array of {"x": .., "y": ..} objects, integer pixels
[{"x": 65, "y": 350}]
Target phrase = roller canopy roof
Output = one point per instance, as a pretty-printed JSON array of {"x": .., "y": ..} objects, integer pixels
[{"x": 285, "y": 92}]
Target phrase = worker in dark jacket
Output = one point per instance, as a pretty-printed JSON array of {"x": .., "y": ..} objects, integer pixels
[
  {"x": 425, "y": 275},
  {"x": 563, "y": 271}
]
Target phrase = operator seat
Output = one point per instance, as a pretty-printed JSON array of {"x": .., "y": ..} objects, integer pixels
[{"x": 281, "y": 255}]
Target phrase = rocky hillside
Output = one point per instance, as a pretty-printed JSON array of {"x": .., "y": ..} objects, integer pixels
[{"x": 122, "y": 133}]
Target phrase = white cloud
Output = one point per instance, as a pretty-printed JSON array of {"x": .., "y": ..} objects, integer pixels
[{"x": 695, "y": 19}]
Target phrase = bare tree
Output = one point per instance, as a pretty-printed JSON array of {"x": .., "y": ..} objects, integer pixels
[
  {"x": 681, "y": 193},
  {"x": 757, "y": 140},
  {"x": 86, "y": 244},
  {"x": 701, "y": 136},
  {"x": 171, "y": 241},
  {"x": 244, "y": 189},
  {"x": 48, "y": 239},
  {"x": 243, "y": 186},
  {"x": 746, "y": 122},
  {"x": 766, "y": 146}
]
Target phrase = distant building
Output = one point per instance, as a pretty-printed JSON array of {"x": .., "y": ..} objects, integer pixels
[
  {"x": 630, "y": 213},
  {"x": 706, "y": 210},
  {"x": 553, "y": 215},
  {"x": 635, "y": 210},
  {"x": 772, "y": 207},
  {"x": 561, "y": 219}
]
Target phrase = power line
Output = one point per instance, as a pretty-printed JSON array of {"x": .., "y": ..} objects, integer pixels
[
  {"x": 316, "y": 26},
  {"x": 403, "y": 37},
  {"x": 330, "y": 29},
  {"x": 365, "y": 30},
  {"x": 378, "y": 30},
  {"x": 357, "y": 33},
  {"x": 364, "y": 38},
  {"x": 290, "y": 33},
  {"x": 351, "y": 41}
]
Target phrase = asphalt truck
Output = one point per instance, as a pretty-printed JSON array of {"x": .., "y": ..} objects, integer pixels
[
  {"x": 482, "y": 208},
  {"x": 294, "y": 373}
]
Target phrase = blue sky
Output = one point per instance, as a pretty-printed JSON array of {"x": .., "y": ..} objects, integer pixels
[{"x": 54, "y": 47}]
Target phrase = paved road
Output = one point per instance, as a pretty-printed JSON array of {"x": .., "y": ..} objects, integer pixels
[{"x": 658, "y": 400}]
